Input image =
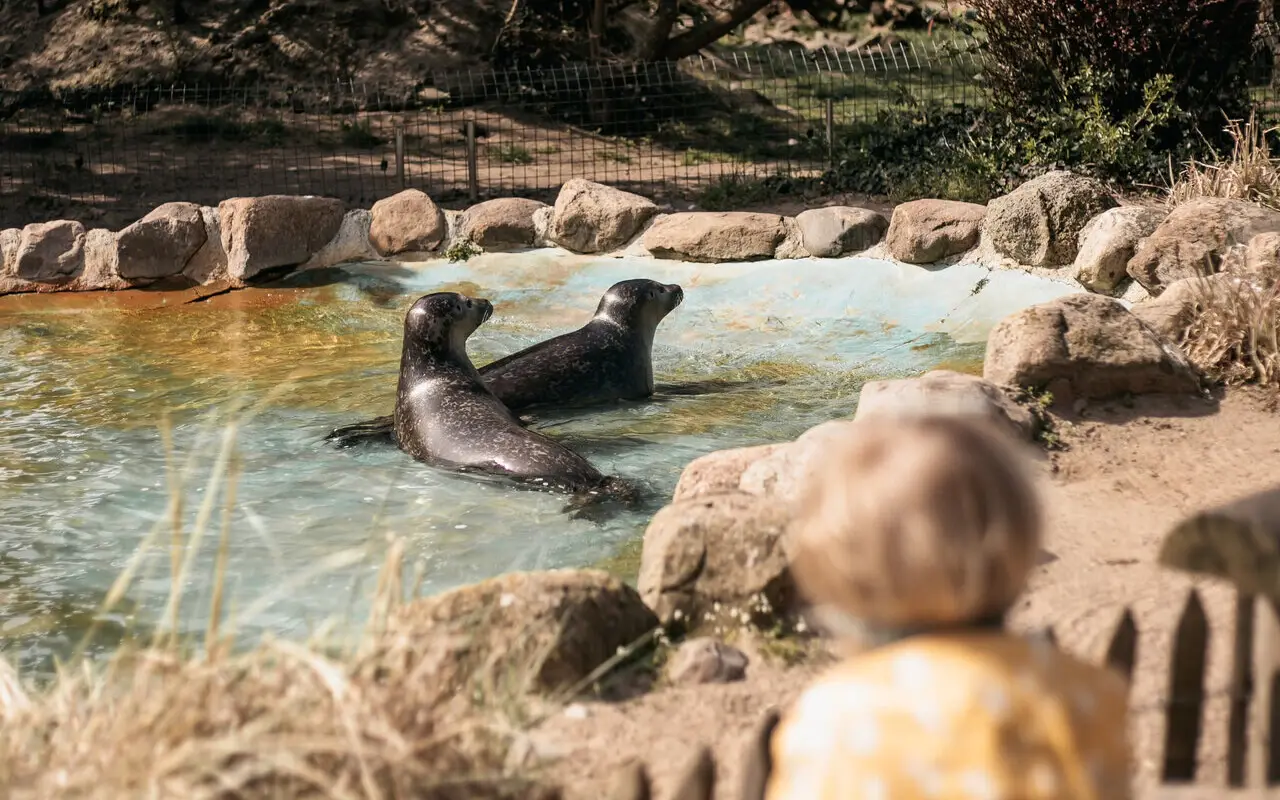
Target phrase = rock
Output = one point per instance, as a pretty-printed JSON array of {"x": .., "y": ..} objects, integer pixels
[
  {"x": 263, "y": 233},
  {"x": 10, "y": 241},
  {"x": 406, "y": 222},
  {"x": 834, "y": 231},
  {"x": 101, "y": 262},
  {"x": 717, "y": 555},
  {"x": 350, "y": 243},
  {"x": 51, "y": 251},
  {"x": 1084, "y": 346},
  {"x": 706, "y": 660},
  {"x": 519, "y": 633},
  {"x": 782, "y": 475},
  {"x": 1262, "y": 258},
  {"x": 1173, "y": 311},
  {"x": 945, "y": 392},
  {"x": 714, "y": 236},
  {"x": 1039, "y": 223},
  {"x": 718, "y": 472},
  {"x": 503, "y": 224},
  {"x": 1193, "y": 239},
  {"x": 209, "y": 264},
  {"x": 1107, "y": 243},
  {"x": 161, "y": 243},
  {"x": 925, "y": 231},
  {"x": 593, "y": 218}
]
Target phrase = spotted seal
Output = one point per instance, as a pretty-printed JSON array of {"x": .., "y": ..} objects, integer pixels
[
  {"x": 446, "y": 417},
  {"x": 608, "y": 359}
]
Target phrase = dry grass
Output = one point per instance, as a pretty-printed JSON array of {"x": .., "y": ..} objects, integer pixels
[
  {"x": 1249, "y": 174},
  {"x": 1233, "y": 336},
  {"x": 165, "y": 720}
]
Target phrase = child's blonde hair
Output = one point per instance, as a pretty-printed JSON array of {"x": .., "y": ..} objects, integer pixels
[{"x": 917, "y": 521}]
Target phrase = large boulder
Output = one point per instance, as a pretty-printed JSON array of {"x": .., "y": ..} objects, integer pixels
[
  {"x": 522, "y": 633},
  {"x": 594, "y": 218},
  {"x": 1108, "y": 242},
  {"x": 406, "y": 222},
  {"x": 264, "y": 233},
  {"x": 717, "y": 558},
  {"x": 1193, "y": 239},
  {"x": 50, "y": 251},
  {"x": 1259, "y": 259},
  {"x": 160, "y": 244},
  {"x": 925, "y": 231},
  {"x": 101, "y": 262},
  {"x": 503, "y": 224},
  {"x": 1039, "y": 223},
  {"x": 782, "y": 475},
  {"x": 713, "y": 236},
  {"x": 836, "y": 230},
  {"x": 945, "y": 392},
  {"x": 1084, "y": 346},
  {"x": 717, "y": 472},
  {"x": 350, "y": 243},
  {"x": 209, "y": 264},
  {"x": 10, "y": 241}
]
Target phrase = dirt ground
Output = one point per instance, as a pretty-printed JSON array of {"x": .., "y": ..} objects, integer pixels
[{"x": 1126, "y": 476}]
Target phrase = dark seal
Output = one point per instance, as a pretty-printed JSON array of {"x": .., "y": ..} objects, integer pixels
[
  {"x": 607, "y": 360},
  {"x": 446, "y": 417}
]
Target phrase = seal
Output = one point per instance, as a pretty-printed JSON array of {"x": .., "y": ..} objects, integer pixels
[
  {"x": 607, "y": 360},
  {"x": 447, "y": 418}
]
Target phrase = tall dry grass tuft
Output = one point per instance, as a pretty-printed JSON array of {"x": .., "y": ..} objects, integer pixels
[
  {"x": 1233, "y": 337},
  {"x": 166, "y": 719},
  {"x": 1250, "y": 173}
]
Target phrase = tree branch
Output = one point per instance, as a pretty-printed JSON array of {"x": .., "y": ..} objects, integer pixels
[{"x": 720, "y": 24}]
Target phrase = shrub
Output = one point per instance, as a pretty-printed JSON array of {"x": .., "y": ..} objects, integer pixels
[
  {"x": 1034, "y": 48},
  {"x": 1233, "y": 337},
  {"x": 1250, "y": 173}
]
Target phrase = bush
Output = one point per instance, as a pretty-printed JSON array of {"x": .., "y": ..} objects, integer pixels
[{"x": 1035, "y": 49}]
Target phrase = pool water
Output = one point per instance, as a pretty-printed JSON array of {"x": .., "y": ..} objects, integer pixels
[{"x": 92, "y": 387}]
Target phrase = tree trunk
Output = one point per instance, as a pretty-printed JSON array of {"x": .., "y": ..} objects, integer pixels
[
  {"x": 663, "y": 19},
  {"x": 596, "y": 32},
  {"x": 179, "y": 12},
  {"x": 719, "y": 25}
]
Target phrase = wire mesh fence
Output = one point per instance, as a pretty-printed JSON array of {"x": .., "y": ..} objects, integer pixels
[
  {"x": 664, "y": 129},
  {"x": 668, "y": 130}
]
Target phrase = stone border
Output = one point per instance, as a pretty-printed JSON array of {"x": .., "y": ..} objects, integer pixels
[{"x": 1060, "y": 225}]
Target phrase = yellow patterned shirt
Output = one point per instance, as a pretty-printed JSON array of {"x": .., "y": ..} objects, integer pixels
[{"x": 980, "y": 714}]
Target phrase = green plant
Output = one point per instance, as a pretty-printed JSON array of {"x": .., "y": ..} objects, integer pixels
[
  {"x": 739, "y": 189},
  {"x": 1034, "y": 50},
  {"x": 614, "y": 156},
  {"x": 359, "y": 134},
  {"x": 511, "y": 154},
  {"x": 462, "y": 250}
]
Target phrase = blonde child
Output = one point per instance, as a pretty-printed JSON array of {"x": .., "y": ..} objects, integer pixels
[{"x": 912, "y": 545}]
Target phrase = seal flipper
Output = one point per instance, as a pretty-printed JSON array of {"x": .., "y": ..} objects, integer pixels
[
  {"x": 379, "y": 430},
  {"x": 602, "y": 502}
]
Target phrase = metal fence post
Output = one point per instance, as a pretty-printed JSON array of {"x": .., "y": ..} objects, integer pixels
[
  {"x": 473, "y": 178},
  {"x": 400, "y": 155},
  {"x": 831, "y": 133}
]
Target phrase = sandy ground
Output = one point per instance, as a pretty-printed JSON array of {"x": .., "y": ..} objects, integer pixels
[{"x": 1128, "y": 474}]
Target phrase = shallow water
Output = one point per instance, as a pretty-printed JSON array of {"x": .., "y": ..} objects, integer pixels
[{"x": 85, "y": 383}]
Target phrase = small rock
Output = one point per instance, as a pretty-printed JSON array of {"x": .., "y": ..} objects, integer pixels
[
  {"x": 406, "y": 222},
  {"x": 161, "y": 243},
  {"x": 555, "y": 629},
  {"x": 945, "y": 392},
  {"x": 926, "y": 231},
  {"x": 706, "y": 660},
  {"x": 1194, "y": 238},
  {"x": 51, "y": 251},
  {"x": 209, "y": 264},
  {"x": 503, "y": 224},
  {"x": 262, "y": 233},
  {"x": 1172, "y": 312},
  {"x": 351, "y": 243},
  {"x": 594, "y": 218},
  {"x": 1039, "y": 223},
  {"x": 836, "y": 230},
  {"x": 718, "y": 472},
  {"x": 1084, "y": 346},
  {"x": 1107, "y": 244},
  {"x": 715, "y": 236},
  {"x": 723, "y": 553}
]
